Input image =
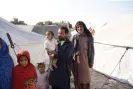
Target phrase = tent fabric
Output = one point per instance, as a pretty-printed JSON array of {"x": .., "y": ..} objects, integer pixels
[
  {"x": 116, "y": 32},
  {"x": 6, "y": 67},
  {"x": 30, "y": 41},
  {"x": 27, "y": 28}
]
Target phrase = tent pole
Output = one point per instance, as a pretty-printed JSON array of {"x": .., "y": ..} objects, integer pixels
[
  {"x": 11, "y": 42},
  {"x": 115, "y": 67}
]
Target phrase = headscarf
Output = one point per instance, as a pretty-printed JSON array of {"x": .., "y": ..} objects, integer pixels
[
  {"x": 86, "y": 31},
  {"x": 22, "y": 74},
  {"x": 6, "y": 66}
]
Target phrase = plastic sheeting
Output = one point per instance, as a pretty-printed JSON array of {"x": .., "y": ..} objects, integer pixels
[
  {"x": 116, "y": 32},
  {"x": 30, "y": 41}
]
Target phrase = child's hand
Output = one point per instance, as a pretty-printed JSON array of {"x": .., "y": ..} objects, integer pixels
[
  {"x": 29, "y": 82},
  {"x": 49, "y": 52},
  {"x": 51, "y": 56}
]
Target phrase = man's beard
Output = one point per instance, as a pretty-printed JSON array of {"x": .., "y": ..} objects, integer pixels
[{"x": 61, "y": 38}]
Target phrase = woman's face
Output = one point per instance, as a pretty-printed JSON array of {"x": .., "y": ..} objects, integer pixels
[
  {"x": 23, "y": 61},
  {"x": 80, "y": 29}
]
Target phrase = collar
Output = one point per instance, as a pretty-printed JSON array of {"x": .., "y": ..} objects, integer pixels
[{"x": 67, "y": 40}]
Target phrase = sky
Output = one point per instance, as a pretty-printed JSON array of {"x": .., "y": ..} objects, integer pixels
[{"x": 94, "y": 11}]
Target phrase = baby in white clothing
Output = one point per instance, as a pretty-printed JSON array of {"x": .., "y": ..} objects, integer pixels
[{"x": 50, "y": 45}]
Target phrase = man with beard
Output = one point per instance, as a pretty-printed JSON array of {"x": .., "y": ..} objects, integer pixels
[
  {"x": 59, "y": 78},
  {"x": 83, "y": 55}
]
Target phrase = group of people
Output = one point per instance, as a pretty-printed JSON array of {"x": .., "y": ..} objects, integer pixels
[{"x": 66, "y": 55}]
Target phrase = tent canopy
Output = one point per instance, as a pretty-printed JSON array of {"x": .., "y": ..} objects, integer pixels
[
  {"x": 30, "y": 41},
  {"x": 116, "y": 32}
]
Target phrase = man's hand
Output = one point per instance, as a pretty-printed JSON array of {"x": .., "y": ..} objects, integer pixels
[{"x": 90, "y": 65}]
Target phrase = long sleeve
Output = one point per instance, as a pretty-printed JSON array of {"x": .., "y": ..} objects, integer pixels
[
  {"x": 75, "y": 41},
  {"x": 92, "y": 52}
]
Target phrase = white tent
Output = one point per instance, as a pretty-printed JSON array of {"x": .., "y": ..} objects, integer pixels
[
  {"x": 27, "y": 28},
  {"x": 32, "y": 42},
  {"x": 117, "y": 32}
]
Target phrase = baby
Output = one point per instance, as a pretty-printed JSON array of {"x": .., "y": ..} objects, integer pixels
[{"x": 50, "y": 45}]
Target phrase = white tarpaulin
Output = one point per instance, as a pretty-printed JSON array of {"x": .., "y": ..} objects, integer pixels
[
  {"x": 32, "y": 42},
  {"x": 116, "y": 32}
]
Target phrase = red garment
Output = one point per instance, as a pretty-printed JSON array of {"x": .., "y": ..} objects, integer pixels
[{"x": 22, "y": 74}]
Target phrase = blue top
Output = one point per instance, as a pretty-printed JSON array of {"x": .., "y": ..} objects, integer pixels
[{"x": 6, "y": 67}]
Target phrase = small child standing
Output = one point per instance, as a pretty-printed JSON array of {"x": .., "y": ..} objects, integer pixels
[
  {"x": 50, "y": 45},
  {"x": 42, "y": 80},
  {"x": 24, "y": 74}
]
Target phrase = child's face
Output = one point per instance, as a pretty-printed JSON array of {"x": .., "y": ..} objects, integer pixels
[
  {"x": 41, "y": 68},
  {"x": 23, "y": 61},
  {"x": 49, "y": 35}
]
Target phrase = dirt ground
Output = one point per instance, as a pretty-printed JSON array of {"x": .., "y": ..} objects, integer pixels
[{"x": 99, "y": 79}]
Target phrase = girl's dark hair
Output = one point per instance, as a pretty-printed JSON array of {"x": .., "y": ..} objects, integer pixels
[
  {"x": 87, "y": 32},
  {"x": 38, "y": 64},
  {"x": 51, "y": 32},
  {"x": 65, "y": 28}
]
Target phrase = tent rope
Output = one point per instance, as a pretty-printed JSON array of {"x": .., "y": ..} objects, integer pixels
[
  {"x": 127, "y": 47},
  {"x": 114, "y": 45}
]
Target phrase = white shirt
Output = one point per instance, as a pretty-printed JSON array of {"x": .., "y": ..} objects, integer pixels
[
  {"x": 41, "y": 78},
  {"x": 50, "y": 44}
]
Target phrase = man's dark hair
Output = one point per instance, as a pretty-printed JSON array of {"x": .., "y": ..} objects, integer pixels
[{"x": 65, "y": 28}]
